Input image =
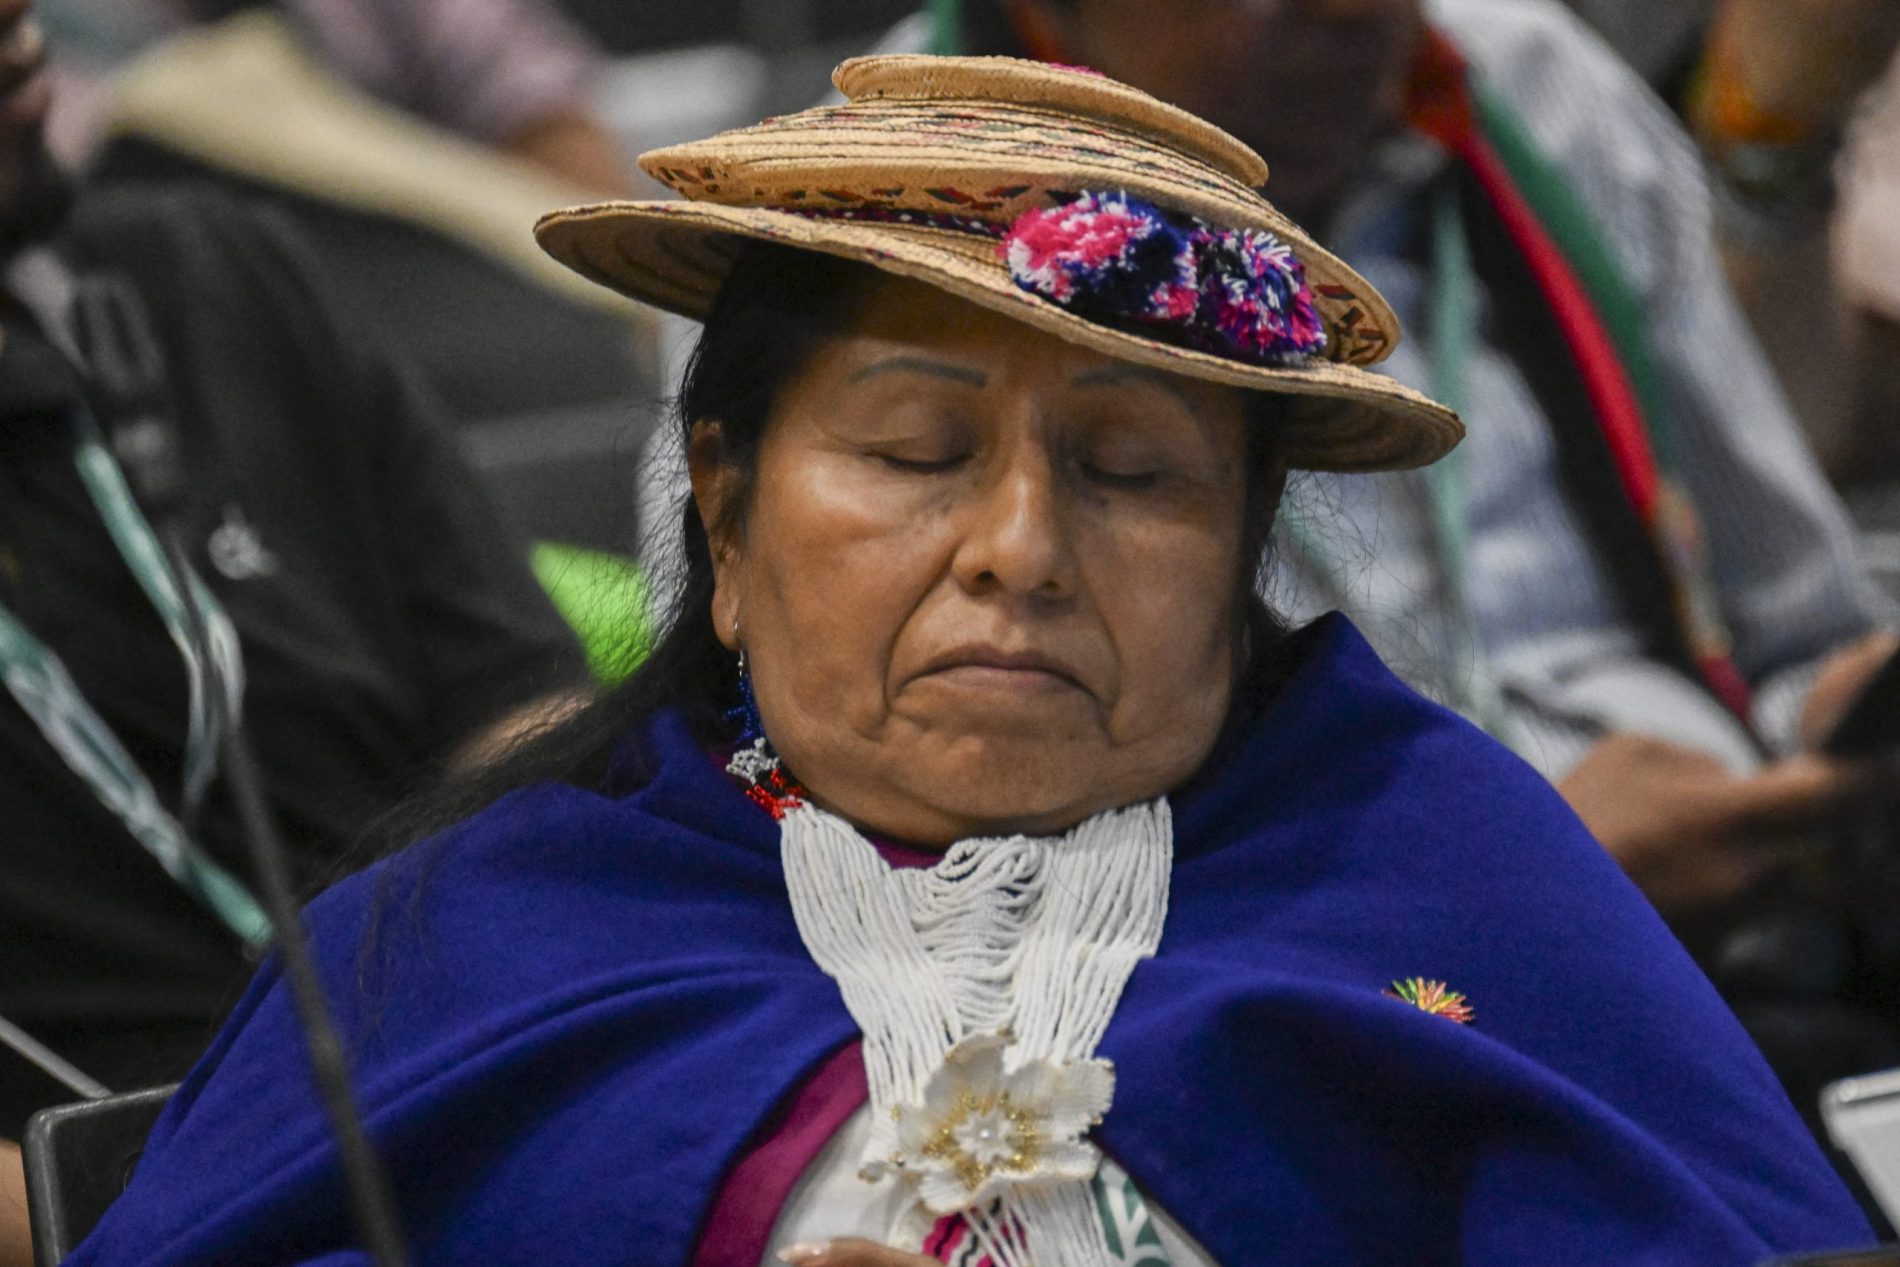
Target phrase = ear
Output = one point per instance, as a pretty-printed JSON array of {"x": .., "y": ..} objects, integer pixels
[{"x": 715, "y": 483}]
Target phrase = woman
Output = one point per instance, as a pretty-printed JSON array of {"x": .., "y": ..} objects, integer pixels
[{"x": 976, "y": 867}]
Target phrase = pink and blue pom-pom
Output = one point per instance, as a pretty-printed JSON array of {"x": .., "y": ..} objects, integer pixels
[
  {"x": 1107, "y": 253},
  {"x": 1239, "y": 293},
  {"x": 1254, "y": 292}
]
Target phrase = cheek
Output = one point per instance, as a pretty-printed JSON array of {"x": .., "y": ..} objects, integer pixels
[
  {"x": 832, "y": 571},
  {"x": 1169, "y": 609}
]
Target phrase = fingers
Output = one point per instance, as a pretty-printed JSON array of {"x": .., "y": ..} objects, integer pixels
[
  {"x": 25, "y": 91},
  {"x": 22, "y": 44},
  {"x": 1704, "y": 875},
  {"x": 1624, "y": 752},
  {"x": 851, "y": 1254},
  {"x": 1663, "y": 785},
  {"x": 1845, "y": 674},
  {"x": 16, "y": 1241},
  {"x": 1632, "y": 790},
  {"x": 1690, "y": 833},
  {"x": 1800, "y": 792}
]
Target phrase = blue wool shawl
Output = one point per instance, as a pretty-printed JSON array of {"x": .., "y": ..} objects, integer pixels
[{"x": 580, "y": 1011}]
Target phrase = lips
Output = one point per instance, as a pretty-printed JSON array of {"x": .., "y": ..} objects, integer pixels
[{"x": 980, "y": 658}]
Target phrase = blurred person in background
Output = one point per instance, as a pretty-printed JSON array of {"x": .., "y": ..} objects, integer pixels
[
  {"x": 1770, "y": 89},
  {"x": 170, "y": 372},
  {"x": 1777, "y": 91},
  {"x": 1778, "y": 82},
  {"x": 411, "y": 143},
  {"x": 1659, "y": 41},
  {"x": 513, "y": 74},
  {"x": 1867, "y": 264},
  {"x": 1782, "y": 85},
  {"x": 1633, "y": 571}
]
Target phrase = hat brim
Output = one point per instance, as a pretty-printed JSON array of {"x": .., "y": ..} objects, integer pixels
[{"x": 675, "y": 255}]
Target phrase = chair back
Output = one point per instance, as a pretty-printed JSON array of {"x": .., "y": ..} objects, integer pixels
[{"x": 79, "y": 1157}]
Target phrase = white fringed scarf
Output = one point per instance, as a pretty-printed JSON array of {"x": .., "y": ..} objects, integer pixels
[{"x": 982, "y": 986}]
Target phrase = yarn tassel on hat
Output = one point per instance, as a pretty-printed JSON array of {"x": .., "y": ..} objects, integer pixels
[{"x": 1108, "y": 255}]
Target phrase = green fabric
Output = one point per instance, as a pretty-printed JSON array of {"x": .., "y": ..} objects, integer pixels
[
  {"x": 943, "y": 26},
  {"x": 1625, "y": 318},
  {"x": 604, "y": 598},
  {"x": 1452, "y": 331},
  {"x": 1563, "y": 214}
]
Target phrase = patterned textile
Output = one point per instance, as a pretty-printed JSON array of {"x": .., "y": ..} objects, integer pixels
[
  {"x": 1867, "y": 226},
  {"x": 1234, "y": 292},
  {"x": 1562, "y": 275},
  {"x": 1556, "y": 646},
  {"x": 1132, "y": 1238}
]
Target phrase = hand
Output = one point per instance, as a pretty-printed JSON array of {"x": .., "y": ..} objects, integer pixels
[
  {"x": 24, "y": 93},
  {"x": 26, "y": 178},
  {"x": 1689, "y": 833},
  {"x": 16, "y": 1242},
  {"x": 1841, "y": 679},
  {"x": 852, "y": 1254}
]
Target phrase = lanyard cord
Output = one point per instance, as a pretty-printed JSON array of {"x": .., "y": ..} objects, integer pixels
[
  {"x": 202, "y": 630},
  {"x": 1453, "y": 326},
  {"x": 197, "y": 622},
  {"x": 124, "y": 350},
  {"x": 40, "y": 682}
]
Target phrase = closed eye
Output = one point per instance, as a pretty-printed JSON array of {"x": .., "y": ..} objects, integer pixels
[
  {"x": 921, "y": 466},
  {"x": 1128, "y": 481}
]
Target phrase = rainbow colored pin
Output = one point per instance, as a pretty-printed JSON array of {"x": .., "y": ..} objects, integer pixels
[{"x": 1432, "y": 997}]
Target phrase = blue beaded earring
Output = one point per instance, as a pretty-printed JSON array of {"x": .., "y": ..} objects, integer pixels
[
  {"x": 753, "y": 763},
  {"x": 751, "y": 726}
]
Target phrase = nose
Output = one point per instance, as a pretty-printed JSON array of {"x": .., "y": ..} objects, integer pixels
[{"x": 1018, "y": 531}]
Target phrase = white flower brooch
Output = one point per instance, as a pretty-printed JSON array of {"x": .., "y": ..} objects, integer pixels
[{"x": 981, "y": 1131}]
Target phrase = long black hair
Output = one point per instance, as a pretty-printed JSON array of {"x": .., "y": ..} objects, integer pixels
[{"x": 778, "y": 305}]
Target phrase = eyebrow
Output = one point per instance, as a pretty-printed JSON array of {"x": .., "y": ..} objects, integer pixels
[
  {"x": 1115, "y": 375},
  {"x": 922, "y": 365}
]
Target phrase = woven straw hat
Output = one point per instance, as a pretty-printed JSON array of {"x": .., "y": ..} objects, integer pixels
[{"x": 956, "y": 142}]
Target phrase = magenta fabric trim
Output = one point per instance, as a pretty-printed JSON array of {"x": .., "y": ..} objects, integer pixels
[{"x": 749, "y": 1201}]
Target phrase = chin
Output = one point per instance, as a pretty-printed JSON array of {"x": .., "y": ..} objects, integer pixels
[
  {"x": 1025, "y": 816},
  {"x": 1011, "y": 790}
]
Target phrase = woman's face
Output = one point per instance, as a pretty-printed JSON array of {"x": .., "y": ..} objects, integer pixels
[{"x": 987, "y": 580}]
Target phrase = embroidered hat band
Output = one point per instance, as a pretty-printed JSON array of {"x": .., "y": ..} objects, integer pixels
[{"x": 1060, "y": 198}]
